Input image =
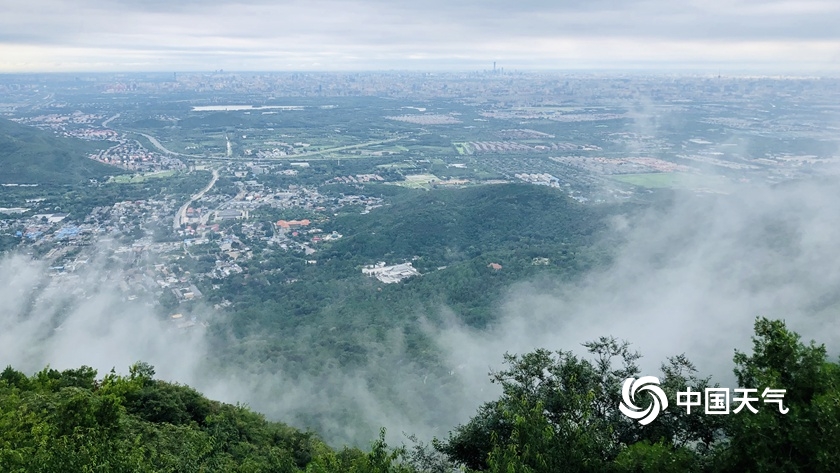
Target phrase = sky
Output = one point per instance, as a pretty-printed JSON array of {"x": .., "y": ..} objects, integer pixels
[{"x": 786, "y": 36}]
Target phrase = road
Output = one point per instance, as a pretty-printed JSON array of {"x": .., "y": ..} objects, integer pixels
[
  {"x": 182, "y": 212},
  {"x": 229, "y": 152},
  {"x": 159, "y": 146},
  {"x": 292, "y": 157},
  {"x": 108, "y": 121},
  {"x": 342, "y": 148}
]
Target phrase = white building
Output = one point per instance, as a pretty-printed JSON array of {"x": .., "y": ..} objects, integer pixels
[{"x": 390, "y": 274}]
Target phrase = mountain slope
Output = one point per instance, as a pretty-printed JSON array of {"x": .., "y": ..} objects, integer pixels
[
  {"x": 328, "y": 319},
  {"x": 32, "y": 156},
  {"x": 456, "y": 224},
  {"x": 62, "y": 421}
]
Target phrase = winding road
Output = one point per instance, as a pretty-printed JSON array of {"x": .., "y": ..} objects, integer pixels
[
  {"x": 181, "y": 216},
  {"x": 162, "y": 148}
]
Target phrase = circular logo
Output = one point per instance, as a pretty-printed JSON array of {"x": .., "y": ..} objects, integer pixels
[{"x": 628, "y": 405}]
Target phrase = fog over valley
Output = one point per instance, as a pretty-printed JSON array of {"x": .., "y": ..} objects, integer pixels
[{"x": 686, "y": 278}]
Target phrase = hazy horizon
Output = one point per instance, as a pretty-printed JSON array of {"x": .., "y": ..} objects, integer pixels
[
  {"x": 582, "y": 72},
  {"x": 746, "y": 35}
]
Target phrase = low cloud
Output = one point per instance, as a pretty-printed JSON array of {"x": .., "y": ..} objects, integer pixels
[
  {"x": 84, "y": 319},
  {"x": 689, "y": 277}
]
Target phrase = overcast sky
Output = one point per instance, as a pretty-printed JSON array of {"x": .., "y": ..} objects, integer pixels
[{"x": 185, "y": 35}]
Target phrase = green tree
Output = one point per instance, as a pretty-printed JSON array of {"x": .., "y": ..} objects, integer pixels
[
  {"x": 578, "y": 399},
  {"x": 659, "y": 457},
  {"x": 807, "y": 436},
  {"x": 559, "y": 412}
]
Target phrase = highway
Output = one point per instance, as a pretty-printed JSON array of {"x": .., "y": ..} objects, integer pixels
[
  {"x": 229, "y": 154},
  {"x": 308, "y": 154},
  {"x": 181, "y": 216},
  {"x": 162, "y": 148}
]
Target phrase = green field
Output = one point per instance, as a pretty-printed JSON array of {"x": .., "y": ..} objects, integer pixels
[
  {"x": 136, "y": 178},
  {"x": 660, "y": 180},
  {"x": 398, "y": 165},
  {"x": 651, "y": 180},
  {"x": 462, "y": 148},
  {"x": 418, "y": 181}
]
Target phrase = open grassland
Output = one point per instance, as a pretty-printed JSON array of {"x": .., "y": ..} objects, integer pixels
[
  {"x": 462, "y": 148},
  {"x": 137, "y": 178},
  {"x": 651, "y": 180},
  {"x": 397, "y": 165},
  {"x": 660, "y": 180},
  {"x": 418, "y": 181}
]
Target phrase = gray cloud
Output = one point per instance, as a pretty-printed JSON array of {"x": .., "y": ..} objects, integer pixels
[{"x": 376, "y": 33}]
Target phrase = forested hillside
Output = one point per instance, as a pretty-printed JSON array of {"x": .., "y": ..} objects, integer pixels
[
  {"x": 558, "y": 413},
  {"x": 307, "y": 319},
  {"x": 32, "y": 156},
  {"x": 452, "y": 225},
  {"x": 70, "y": 421},
  {"x": 451, "y": 236}
]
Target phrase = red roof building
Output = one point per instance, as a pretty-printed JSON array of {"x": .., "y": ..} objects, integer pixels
[{"x": 287, "y": 224}]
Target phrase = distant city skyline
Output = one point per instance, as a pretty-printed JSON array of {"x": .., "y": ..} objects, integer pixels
[{"x": 765, "y": 36}]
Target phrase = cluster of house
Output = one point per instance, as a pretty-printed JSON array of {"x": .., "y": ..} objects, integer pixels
[
  {"x": 357, "y": 179},
  {"x": 540, "y": 179}
]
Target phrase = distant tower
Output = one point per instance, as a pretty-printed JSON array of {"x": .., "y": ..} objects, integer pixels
[{"x": 494, "y": 66}]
